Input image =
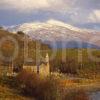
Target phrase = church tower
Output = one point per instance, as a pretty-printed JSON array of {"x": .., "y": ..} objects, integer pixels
[
  {"x": 47, "y": 64},
  {"x": 44, "y": 68},
  {"x": 47, "y": 58}
]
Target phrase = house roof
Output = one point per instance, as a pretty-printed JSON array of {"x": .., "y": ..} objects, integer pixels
[{"x": 29, "y": 63}]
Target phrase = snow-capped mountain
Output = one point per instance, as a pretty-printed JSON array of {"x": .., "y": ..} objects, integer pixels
[{"x": 56, "y": 31}]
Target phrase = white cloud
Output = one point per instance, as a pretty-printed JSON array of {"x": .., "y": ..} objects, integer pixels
[
  {"x": 95, "y": 16},
  {"x": 29, "y": 5},
  {"x": 71, "y": 11},
  {"x": 23, "y": 4}
]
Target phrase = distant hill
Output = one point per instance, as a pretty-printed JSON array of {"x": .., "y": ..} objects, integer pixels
[{"x": 58, "y": 32}]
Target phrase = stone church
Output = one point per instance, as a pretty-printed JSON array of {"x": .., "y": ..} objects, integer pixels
[{"x": 42, "y": 68}]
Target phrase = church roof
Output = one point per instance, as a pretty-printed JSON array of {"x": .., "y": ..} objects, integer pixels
[
  {"x": 42, "y": 62},
  {"x": 34, "y": 63}
]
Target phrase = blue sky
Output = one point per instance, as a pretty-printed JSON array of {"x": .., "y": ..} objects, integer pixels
[{"x": 80, "y": 13}]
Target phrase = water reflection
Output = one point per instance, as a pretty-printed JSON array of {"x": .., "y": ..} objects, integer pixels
[
  {"x": 77, "y": 95},
  {"x": 95, "y": 96},
  {"x": 82, "y": 95}
]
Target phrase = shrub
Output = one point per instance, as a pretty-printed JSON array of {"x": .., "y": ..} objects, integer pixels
[
  {"x": 50, "y": 89},
  {"x": 1, "y": 27},
  {"x": 20, "y": 33},
  {"x": 9, "y": 81},
  {"x": 42, "y": 88}
]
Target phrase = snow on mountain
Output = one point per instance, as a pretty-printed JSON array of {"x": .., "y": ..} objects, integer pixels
[
  {"x": 53, "y": 30},
  {"x": 35, "y": 25}
]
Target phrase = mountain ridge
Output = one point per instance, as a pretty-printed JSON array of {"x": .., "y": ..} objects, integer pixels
[
  {"x": 54, "y": 31},
  {"x": 52, "y": 22}
]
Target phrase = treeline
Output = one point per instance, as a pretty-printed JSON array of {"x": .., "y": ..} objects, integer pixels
[{"x": 71, "y": 64}]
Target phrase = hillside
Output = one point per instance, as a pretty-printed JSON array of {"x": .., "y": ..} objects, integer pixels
[
  {"x": 19, "y": 43},
  {"x": 10, "y": 94}
]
